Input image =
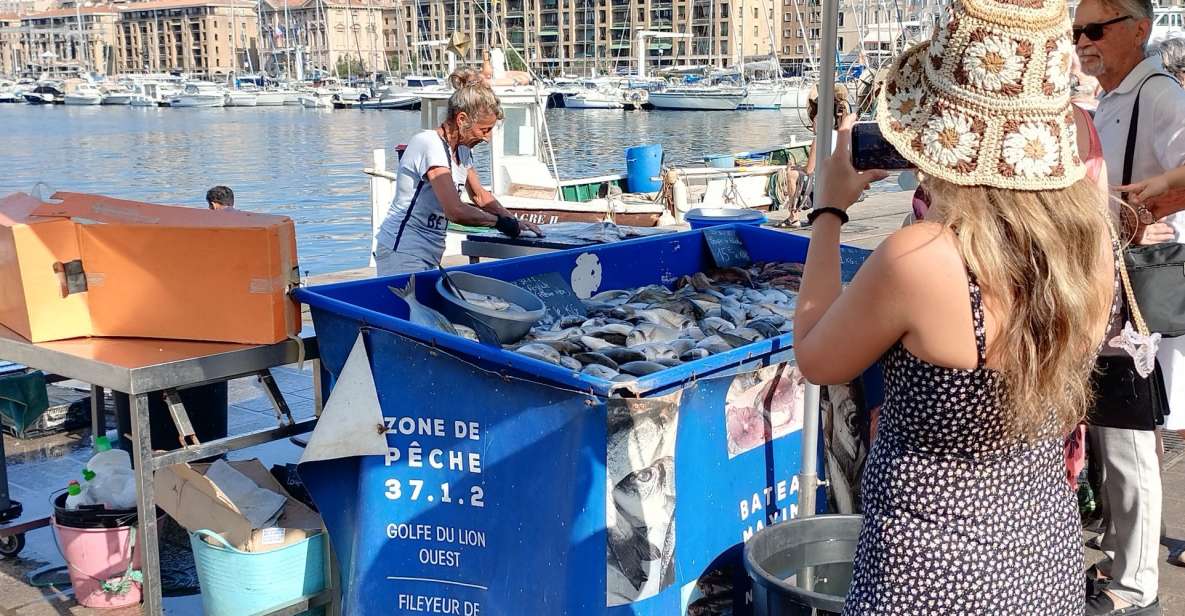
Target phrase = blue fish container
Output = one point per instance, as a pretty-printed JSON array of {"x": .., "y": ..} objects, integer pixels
[
  {"x": 642, "y": 163},
  {"x": 512, "y": 486}
]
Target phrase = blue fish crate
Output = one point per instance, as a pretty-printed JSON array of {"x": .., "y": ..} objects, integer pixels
[{"x": 515, "y": 486}]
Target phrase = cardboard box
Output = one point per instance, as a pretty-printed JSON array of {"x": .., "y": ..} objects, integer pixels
[
  {"x": 89, "y": 265},
  {"x": 183, "y": 491}
]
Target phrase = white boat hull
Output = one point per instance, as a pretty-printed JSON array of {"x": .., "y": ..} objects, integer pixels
[
  {"x": 241, "y": 99},
  {"x": 316, "y": 102},
  {"x": 763, "y": 100},
  {"x": 270, "y": 99},
  {"x": 696, "y": 102},
  {"x": 578, "y": 101},
  {"x": 395, "y": 102},
  {"x": 34, "y": 98},
  {"x": 84, "y": 99},
  {"x": 198, "y": 100},
  {"x": 117, "y": 99}
]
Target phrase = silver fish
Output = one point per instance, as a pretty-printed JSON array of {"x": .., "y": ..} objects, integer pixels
[
  {"x": 466, "y": 332},
  {"x": 596, "y": 358},
  {"x": 713, "y": 344},
  {"x": 600, "y": 371},
  {"x": 541, "y": 352},
  {"x": 420, "y": 314},
  {"x": 649, "y": 332},
  {"x": 656, "y": 350},
  {"x": 623, "y": 355},
  {"x": 593, "y": 343},
  {"x": 642, "y": 368},
  {"x": 615, "y": 296}
]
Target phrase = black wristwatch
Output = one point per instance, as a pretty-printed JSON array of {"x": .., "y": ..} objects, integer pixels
[{"x": 819, "y": 211}]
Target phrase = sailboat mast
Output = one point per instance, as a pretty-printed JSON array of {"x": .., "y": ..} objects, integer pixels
[
  {"x": 234, "y": 41},
  {"x": 82, "y": 37},
  {"x": 287, "y": 44}
]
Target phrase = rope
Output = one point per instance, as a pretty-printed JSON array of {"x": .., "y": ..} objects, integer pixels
[{"x": 1120, "y": 248}]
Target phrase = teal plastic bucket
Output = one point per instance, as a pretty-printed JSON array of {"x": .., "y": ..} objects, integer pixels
[
  {"x": 237, "y": 583},
  {"x": 642, "y": 163}
]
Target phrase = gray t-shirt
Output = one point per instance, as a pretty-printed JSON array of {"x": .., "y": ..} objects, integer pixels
[{"x": 416, "y": 224}]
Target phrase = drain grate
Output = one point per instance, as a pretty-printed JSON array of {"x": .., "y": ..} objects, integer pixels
[{"x": 1174, "y": 448}]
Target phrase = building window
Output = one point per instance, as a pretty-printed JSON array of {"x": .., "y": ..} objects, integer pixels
[
  {"x": 754, "y": 12},
  {"x": 840, "y": 22},
  {"x": 815, "y": 34},
  {"x": 839, "y": 41},
  {"x": 755, "y": 34},
  {"x": 799, "y": 50}
]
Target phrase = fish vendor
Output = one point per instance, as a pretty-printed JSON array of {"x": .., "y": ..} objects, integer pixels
[{"x": 431, "y": 171}]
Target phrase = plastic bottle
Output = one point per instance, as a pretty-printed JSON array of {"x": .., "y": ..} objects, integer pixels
[
  {"x": 73, "y": 495},
  {"x": 107, "y": 459},
  {"x": 88, "y": 478},
  {"x": 114, "y": 489}
]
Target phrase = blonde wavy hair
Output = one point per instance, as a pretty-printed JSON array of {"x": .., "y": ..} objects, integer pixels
[
  {"x": 1037, "y": 254},
  {"x": 473, "y": 95}
]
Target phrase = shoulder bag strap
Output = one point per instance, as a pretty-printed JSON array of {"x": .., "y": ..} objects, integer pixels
[{"x": 1129, "y": 153}]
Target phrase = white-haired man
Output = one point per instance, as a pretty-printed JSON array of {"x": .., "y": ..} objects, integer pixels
[{"x": 1111, "y": 36}]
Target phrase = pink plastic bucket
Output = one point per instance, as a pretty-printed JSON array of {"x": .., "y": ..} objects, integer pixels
[{"x": 94, "y": 555}]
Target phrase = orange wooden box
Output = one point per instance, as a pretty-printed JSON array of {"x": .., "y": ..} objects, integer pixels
[{"x": 89, "y": 265}]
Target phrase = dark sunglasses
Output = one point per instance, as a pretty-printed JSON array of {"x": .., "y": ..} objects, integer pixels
[{"x": 1095, "y": 32}]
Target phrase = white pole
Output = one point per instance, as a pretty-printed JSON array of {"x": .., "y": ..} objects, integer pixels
[
  {"x": 381, "y": 192},
  {"x": 808, "y": 476}
]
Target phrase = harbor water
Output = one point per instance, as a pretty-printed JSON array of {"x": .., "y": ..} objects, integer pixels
[{"x": 307, "y": 164}]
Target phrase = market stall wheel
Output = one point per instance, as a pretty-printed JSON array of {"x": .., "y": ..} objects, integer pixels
[{"x": 12, "y": 545}]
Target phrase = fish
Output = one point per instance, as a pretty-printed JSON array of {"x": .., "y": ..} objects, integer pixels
[
  {"x": 714, "y": 344},
  {"x": 642, "y": 368},
  {"x": 541, "y": 352},
  {"x": 466, "y": 332},
  {"x": 491, "y": 302},
  {"x": 765, "y": 327},
  {"x": 420, "y": 314},
  {"x": 615, "y": 297},
  {"x": 643, "y": 498},
  {"x": 715, "y": 325},
  {"x": 656, "y": 350},
  {"x": 599, "y": 371},
  {"x": 564, "y": 347},
  {"x": 629, "y": 333},
  {"x": 649, "y": 332},
  {"x": 622, "y": 355},
  {"x": 570, "y": 321},
  {"x": 593, "y": 343},
  {"x": 593, "y": 358}
]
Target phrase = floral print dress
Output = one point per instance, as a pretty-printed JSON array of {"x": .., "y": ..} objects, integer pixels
[{"x": 959, "y": 517}]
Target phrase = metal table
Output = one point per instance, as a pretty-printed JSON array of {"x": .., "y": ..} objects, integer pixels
[
  {"x": 494, "y": 245},
  {"x": 139, "y": 367}
]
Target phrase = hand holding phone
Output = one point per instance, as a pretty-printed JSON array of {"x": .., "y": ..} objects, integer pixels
[
  {"x": 842, "y": 182},
  {"x": 871, "y": 151}
]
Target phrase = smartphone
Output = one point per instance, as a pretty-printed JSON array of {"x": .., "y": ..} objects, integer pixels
[{"x": 871, "y": 151}]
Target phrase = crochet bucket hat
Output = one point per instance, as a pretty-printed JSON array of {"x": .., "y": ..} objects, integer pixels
[{"x": 986, "y": 102}]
